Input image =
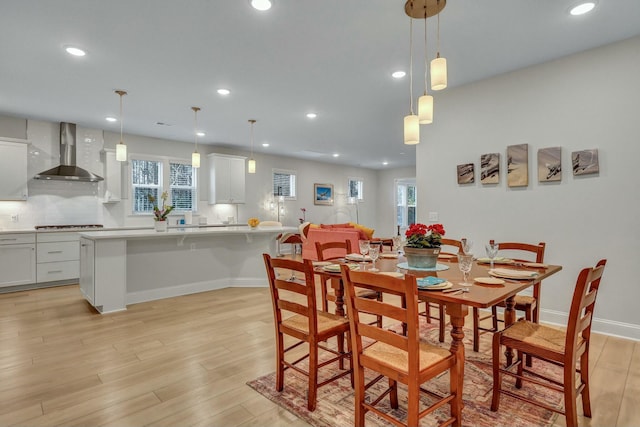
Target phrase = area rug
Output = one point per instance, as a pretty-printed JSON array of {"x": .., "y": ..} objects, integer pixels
[{"x": 336, "y": 400}]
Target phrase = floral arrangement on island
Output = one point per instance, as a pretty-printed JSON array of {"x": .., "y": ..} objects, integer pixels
[
  {"x": 160, "y": 214},
  {"x": 253, "y": 222},
  {"x": 423, "y": 236}
]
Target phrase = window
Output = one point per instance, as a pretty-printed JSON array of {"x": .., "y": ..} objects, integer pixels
[
  {"x": 148, "y": 177},
  {"x": 405, "y": 203},
  {"x": 182, "y": 182},
  {"x": 284, "y": 183},
  {"x": 356, "y": 188}
]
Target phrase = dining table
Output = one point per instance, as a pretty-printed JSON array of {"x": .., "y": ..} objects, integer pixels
[{"x": 457, "y": 303}]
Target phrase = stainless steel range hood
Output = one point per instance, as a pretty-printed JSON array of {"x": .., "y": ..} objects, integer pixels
[{"x": 68, "y": 171}]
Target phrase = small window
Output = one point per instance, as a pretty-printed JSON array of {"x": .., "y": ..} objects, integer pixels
[
  {"x": 182, "y": 182},
  {"x": 356, "y": 188},
  {"x": 284, "y": 183},
  {"x": 146, "y": 180},
  {"x": 406, "y": 204}
]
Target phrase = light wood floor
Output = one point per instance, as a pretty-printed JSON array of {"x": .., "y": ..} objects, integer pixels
[{"x": 185, "y": 361}]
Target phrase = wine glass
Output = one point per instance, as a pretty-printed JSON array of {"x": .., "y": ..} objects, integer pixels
[
  {"x": 466, "y": 244},
  {"x": 492, "y": 251},
  {"x": 374, "y": 252},
  {"x": 364, "y": 250},
  {"x": 465, "y": 262},
  {"x": 397, "y": 243}
]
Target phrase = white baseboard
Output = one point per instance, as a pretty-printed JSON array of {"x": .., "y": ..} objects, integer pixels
[
  {"x": 193, "y": 288},
  {"x": 601, "y": 326}
]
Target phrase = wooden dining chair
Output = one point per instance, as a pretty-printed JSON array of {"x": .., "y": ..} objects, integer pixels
[
  {"x": 526, "y": 303},
  {"x": 295, "y": 314},
  {"x": 438, "y": 308},
  {"x": 566, "y": 348},
  {"x": 401, "y": 358},
  {"x": 335, "y": 250}
]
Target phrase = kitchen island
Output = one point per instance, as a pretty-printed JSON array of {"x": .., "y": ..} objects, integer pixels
[{"x": 122, "y": 267}]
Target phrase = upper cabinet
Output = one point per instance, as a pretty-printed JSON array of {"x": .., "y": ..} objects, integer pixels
[
  {"x": 13, "y": 170},
  {"x": 227, "y": 178}
]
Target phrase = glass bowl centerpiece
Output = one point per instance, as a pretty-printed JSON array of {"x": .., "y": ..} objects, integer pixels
[{"x": 423, "y": 245}]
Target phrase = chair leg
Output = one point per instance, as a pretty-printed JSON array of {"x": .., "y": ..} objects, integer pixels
[
  {"x": 570, "y": 409},
  {"x": 359, "y": 397},
  {"x": 413, "y": 403},
  {"x": 497, "y": 378},
  {"x": 393, "y": 395},
  {"x": 584, "y": 377},
  {"x": 456, "y": 403},
  {"x": 323, "y": 290},
  {"x": 441, "y": 319},
  {"x": 520, "y": 369},
  {"x": 427, "y": 311},
  {"x": 476, "y": 329},
  {"x": 280, "y": 365},
  {"x": 313, "y": 376},
  {"x": 379, "y": 318},
  {"x": 494, "y": 317},
  {"x": 528, "y": 314}
]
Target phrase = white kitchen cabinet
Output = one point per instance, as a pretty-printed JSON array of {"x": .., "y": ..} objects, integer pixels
[
  {"x": 58, "y": 257},
  {"x": 13, "y": 170},
  {"x": 112, "y": 178},
  {"x": 87, "y": 270},
  {"x": 17, "y": 259},
  {"x": 227, "y": 179}
]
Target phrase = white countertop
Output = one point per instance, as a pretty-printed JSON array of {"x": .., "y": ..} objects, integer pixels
[
  {"x": 171, "y": 227},
  {"x": 183, "y": 232}
]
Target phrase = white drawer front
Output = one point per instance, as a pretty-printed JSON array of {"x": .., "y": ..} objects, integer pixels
[
  {"x": 17, "y": 238},
  {"x": 67, "y": 236},
  {"x": 52, "y": 271},
  {"x": 58, "y": 251}
]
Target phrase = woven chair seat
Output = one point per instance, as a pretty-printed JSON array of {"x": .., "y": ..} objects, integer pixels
[
  {"x": 326, "y": 321},
  {"x": 537, "y": 335},
  {"x": 398, "y": 359}
]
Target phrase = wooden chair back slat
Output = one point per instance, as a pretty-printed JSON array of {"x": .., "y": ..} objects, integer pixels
[
  {"x": 374, "y": 307},
  {"x": 376, "y": 334},
  {"x": 453, "y": 243},
  {"x": 582, "y": 305},
  {"x": 332, "y": 250},
  {"x": 537, "y": 250}
]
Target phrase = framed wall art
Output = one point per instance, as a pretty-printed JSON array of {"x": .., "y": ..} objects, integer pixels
[
  {"x": 518, "y": 165},
  {"x": 466, "y": 173},
  {"x": 549, "y": 164},
  {"x": 323, "y": 194},
  {"x": 490, "y": 168},
  {"x": 585, "y": 162}
]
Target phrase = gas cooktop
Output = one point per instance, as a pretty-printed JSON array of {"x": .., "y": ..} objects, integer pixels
[{"x": 68, "y": 227}]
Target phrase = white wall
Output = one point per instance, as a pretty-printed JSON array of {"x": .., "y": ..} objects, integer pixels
[
  {"x": 386, "y": 225},
  {"x": 588, "y": 100}
]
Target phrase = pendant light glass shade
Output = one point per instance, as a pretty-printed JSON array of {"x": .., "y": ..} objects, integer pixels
[
  {"x": 425, "y": 109},
  {"x": 411, "y": 130},
  {"x": 438, "y": 73},
  {"x": 195, "y": 156},
  {"x": 251, "y": 165},
  {"x": 121, "y": 148}
]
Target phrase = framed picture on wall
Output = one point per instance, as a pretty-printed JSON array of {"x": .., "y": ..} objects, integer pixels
[
  {"x": 549, "y": 164},
  {"x": 323, "y": 194},
  {"x": 490, "y": 168},
  {"x": 518, "y": 165},
  {"x": 585, "y": 162},
  {"x": 466, "y": 173}
]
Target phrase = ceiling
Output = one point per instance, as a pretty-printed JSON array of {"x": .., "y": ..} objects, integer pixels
[{"x": 331, "y": 57}]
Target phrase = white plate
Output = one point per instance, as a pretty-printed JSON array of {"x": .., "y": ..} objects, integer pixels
[
  {"x": 489, "y": 280},
  {"x": 357, "y": 257},
  {"x": 535, "y": 264},
  {"x": 321, "y": 263},
  {"x": 392, "y": 274},
  {"x": 335, "y": 268},
  {"x": 388, "y": 255},
  {"x": 441, "y": 286},
  {"x": 513, "y": 274},
  {"x": 497, "y": 260}
]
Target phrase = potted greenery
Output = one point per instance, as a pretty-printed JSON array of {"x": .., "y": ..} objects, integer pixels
[
  {"x": 423, "y": 245},
  {"x": 160, "y": 214}
]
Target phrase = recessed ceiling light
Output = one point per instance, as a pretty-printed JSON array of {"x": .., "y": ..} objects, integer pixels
[
  {"x": 336, "y": 155},
  {"x": 311, "y": 115},
  {"x": 111, "y": 119},
  {"x": 398, "y": 74},
  {"x": 385, "y": 163},
  {"x": 200, "y": 133},
  {"x": 265, "y": 144},
  {"x": 582, "y": 8},
  {"x": 261, "y": 5},
  {"x": 224, "y": 91},
  {"x": 75, "y": 51}
]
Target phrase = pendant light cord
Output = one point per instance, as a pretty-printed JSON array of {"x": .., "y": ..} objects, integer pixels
[
  {"x": 121, "y": 94},
  {"x": 426, "y": 65},
  {"x": 195, "y": 128},
  {"x": 411, "y": 65},
  {"x": 438, "y": 38}
]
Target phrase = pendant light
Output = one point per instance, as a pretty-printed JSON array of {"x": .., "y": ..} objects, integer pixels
[
  {"x": 425, "y": 102},
  {"x": 121, "y": 148},
  {"x": 411, "y": 123},
  {"x": 439, "y": 65},
  {"x": 195, "y": 156},
  {"x": 251, "y": 165}
]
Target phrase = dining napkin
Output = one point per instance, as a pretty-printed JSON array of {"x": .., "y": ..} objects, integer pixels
[
  {"x": 496, "y": 260},
  {"x": 514, "y": 273},
  {"x": 357, "y": 257},
  {"x": 424, "y": 282}
]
